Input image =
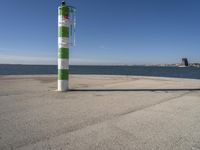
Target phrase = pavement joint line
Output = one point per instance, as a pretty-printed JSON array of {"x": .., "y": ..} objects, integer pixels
[
  {"x": 70, "y": 129},
  {"x": 149, "y": 106}
]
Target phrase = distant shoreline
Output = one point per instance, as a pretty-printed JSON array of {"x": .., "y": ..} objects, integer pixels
[{"x": 159, "y": 65}]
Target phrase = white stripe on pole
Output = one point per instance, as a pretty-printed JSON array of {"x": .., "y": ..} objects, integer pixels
[
  {"x": 63, "y": 22},
  {"x": 63, "y": 42},
  {"x": 63, "y": 45},
  {"x": 63, "y": 63},
  {"x": 63, "y": 85}
]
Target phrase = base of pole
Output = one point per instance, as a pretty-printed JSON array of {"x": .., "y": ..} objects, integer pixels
[{"x": 63, "y": 86}]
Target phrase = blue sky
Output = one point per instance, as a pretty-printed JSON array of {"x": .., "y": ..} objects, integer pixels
[{"x": 108, "y": 31}]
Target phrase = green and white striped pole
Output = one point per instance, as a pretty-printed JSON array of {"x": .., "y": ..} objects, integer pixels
[{"x": 63, "y": 47}]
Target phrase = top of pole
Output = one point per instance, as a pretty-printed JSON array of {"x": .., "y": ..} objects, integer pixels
[
  {"x": 63, "y": 3},
  {"x": 63, "y": 9}
]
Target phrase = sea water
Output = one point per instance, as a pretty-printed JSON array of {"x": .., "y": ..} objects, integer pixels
[{"x": 177, "y": 72}]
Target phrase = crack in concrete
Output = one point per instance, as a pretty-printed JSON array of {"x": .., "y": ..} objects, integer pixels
[{"x": 163, "y": 101}]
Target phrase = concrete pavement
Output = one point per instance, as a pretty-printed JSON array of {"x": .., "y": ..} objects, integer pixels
[{"x": 34, "y": 116}]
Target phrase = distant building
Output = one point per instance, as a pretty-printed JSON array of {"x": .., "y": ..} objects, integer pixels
[{"x": 185, "y": 62}]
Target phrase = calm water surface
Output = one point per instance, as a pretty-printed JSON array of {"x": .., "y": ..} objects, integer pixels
[{"x": 179, "y": 72}]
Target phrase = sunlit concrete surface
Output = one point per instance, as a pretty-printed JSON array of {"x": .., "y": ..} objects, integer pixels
[{"x": 99, "y": 113}]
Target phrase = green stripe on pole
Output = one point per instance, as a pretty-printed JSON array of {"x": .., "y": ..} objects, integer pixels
[
  {"x": 63, "y": 32},
  {"x": 63, "y": 53},
  {"x": 63, "y": 74},
  {"x": 63, "y": 11}
]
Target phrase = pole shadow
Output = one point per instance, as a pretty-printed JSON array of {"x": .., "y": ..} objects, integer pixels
[{"x": 134, "y": 90}]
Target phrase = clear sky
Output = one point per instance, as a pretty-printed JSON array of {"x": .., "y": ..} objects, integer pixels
[{"x": 108, "y": 31}]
